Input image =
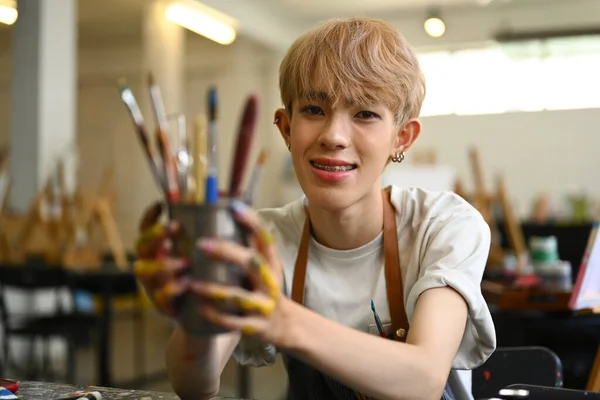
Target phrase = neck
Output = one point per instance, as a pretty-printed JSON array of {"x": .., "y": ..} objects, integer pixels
[{"x": 351, "y": 227}]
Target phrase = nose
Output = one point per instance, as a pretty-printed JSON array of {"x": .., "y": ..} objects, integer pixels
[{"x": 336, "y": 133}]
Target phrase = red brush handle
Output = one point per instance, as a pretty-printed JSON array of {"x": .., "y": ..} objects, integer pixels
[
  {"x": 243, "y": 146},
  {"x": 10, "y": 385}
]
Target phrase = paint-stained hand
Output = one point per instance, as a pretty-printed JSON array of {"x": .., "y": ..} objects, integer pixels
[
  {"x": 259, "y": 308},
  {"x": 160, "y": 275}
]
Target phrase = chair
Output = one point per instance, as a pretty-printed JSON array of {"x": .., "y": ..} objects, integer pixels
[
  {"x": 72, "y": 326},
  {"x": 516, "y": 365},
  {"x": 535, "y": 392}
]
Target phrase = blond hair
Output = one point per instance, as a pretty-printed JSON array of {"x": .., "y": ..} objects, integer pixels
[{"x": 358, "y": 59}]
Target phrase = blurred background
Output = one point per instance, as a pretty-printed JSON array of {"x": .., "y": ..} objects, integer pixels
[{"x": 509, "y": 120}]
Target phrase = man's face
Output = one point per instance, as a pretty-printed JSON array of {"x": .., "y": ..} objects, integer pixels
[{"x": 339, "y": 152}]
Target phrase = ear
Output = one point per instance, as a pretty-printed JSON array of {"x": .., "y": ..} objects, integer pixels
[
  {"x": 407, "y": 135},
  {"x": 282, "y": 120}
]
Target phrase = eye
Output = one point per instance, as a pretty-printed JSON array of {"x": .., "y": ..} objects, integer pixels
[
  {"x": 367, "y": 115},
  {"x": 312, "y": 110}
]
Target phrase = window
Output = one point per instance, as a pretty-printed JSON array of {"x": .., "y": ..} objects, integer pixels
[{"x": 538, "y": 75}]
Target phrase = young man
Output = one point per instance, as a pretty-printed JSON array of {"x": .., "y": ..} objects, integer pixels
[{"x": 352, "y": 91}]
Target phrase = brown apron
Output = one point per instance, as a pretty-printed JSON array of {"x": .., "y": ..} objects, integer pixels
[
  {"x": 393, "y": 277},
  {"x": 306, "y": 382}
]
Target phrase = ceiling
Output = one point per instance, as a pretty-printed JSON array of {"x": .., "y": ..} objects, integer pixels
[
  {"x": 318, "y": 9},
  {"x": 121, "y": 20}
]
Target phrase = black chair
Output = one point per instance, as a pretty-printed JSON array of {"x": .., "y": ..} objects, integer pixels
[
  {"x": 65, "y": 322},
  {"x": 535, "y": 392},
  {"x": 516, "y": 365}
]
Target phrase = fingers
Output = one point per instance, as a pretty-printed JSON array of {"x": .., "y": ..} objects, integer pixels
[
  {"x": 155, "y": 274},
  {"x": 265, "y": 274},
  {"x": 165, "y": 269},
  {"x": 234, "y": 298},
  {"x": 254, "y": 264},
  {"x": 151, "y": 216},
  {"x": 162, "y": 280},
  {"x": 146, "y": 244},
  {"x": 255, "y": 305},
  {"x": 264, "y": 240},
  {"x": 164, "y": 298},
  {"x": 152, "y": 242},
  {"x": 248, "y": 325}
]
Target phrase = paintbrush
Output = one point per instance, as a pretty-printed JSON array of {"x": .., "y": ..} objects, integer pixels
[
  {"x": 138, "y": 120},
  {"x": 200, "y": 159},
  {"x": 244, "y": 145},
  {"x": 212, "y": 173},
  {"x": 183, "y": 158},
  {"x": 169, "y": 163},
  {"x": 256, "y": 174},
  {"x": 377, "y": 320}
]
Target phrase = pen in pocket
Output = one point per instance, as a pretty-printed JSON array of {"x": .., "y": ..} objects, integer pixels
[{"x": 378, "y": 321}]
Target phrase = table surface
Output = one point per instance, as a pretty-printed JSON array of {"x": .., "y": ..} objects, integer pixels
[{"x": 48, "y": 391}]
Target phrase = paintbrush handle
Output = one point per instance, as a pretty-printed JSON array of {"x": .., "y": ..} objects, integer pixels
[
  {"x": 212, "y": 173},
  {"x": 138, "y": 120},
  {"x": 169, "y": 167},
  {"x": 255, "y": 178},
  {"x": 200, "y": 155},
  {"x": 243, "y": 147}
]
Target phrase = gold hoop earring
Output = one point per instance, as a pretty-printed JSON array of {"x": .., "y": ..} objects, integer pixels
[{"x": 398, "y": 157}]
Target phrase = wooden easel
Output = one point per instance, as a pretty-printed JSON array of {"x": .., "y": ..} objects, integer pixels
[
  {"x": 514, "y": 232},
  {"x": 47, "y": 224},
  {"x": 485, "y": 202},
  {"x": 95, "y": 210},
  {"x": 60, "y": 231}
]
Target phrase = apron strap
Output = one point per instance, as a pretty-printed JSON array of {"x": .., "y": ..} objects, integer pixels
[{"x": 393, "y": 277}]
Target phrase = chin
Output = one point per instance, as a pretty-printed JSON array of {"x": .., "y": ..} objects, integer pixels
[{"x": 331, "y": 198}]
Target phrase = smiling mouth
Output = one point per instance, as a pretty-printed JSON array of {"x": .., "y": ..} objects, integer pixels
[{"x": 333, "y": 168}]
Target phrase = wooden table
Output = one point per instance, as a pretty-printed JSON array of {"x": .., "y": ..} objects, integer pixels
[
  {"x": 47, "y": 391},
  {"x": 510, "y": 299}
]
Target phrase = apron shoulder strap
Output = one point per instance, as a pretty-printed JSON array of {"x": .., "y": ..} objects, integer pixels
[
  {"x": 301, "y": 262},
  {"x": 393, "y": 276}
]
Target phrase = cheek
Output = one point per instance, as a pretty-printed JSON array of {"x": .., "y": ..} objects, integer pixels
[
  {"x": 302, "y": 133},
  {"x": 374, "y": 149}
]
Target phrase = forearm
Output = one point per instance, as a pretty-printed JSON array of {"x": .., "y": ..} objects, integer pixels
[
  {"x": 383, "y": 369},
  {"x": 195, "y": 364}
]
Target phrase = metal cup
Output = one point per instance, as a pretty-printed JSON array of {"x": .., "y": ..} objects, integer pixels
[{"x": 197, "y": 221}]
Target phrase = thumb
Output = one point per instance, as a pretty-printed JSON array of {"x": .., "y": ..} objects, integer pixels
[{"x": 151, "y": 216}]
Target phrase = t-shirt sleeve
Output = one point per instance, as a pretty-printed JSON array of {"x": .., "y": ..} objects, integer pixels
[
  {"x": 455, "y": 255},
  {"x": 253, "y": 353}
]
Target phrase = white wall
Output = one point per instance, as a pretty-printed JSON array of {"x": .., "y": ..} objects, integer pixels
[{"x": 550, "y": 151}]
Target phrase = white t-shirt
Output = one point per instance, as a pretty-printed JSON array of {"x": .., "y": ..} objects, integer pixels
[{"x": 442, "y": 241}]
